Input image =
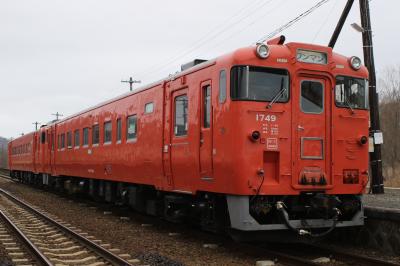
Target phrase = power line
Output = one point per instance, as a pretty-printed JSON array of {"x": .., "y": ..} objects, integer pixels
[
  {"x": 206, "y": 38},
  {"x": 292, "y": 22}
]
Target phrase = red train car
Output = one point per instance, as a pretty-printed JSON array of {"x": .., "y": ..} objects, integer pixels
[{"x": 267, "y": 137}]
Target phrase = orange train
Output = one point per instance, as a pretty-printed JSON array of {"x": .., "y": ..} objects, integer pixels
[{"x": 268, "y": 137}]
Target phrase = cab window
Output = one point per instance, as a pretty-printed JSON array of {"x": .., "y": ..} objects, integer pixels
[
  {"x": 249, "y": 83},
  {"x": 351, "y": 92}
]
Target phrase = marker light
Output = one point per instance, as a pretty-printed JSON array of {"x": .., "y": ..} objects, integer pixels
[
  {"x": 262, "y": 50},
  {"x": 255, "y": 135},
  {"x": 355, "y": 62}
]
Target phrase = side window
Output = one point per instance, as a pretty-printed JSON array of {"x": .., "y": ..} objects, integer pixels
[
  {"x": 222, "y": 86},
  {"x": 95, "y": 134},
  {"x": 69, "y": 139},
  {"x": 62, "y": 140},
  {"x": 312, "y": 97},
  {"x": 149, "y": 108},
  {"x": 107, "y": 132},
  {"x": 86, "y": 136},
  {"x": 58, "y": 141},
  {"x": 119, "y": 129},
  {"x": 207, "y": 106},
  {"x": 181, "y": 115},
  {"x": 77, "y": 138},
  {"x": 131, "y": 127},
  {"x": 43, "y": 137}
]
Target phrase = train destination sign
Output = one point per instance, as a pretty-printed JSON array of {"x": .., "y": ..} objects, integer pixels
[{"x": 312, "y": 57}]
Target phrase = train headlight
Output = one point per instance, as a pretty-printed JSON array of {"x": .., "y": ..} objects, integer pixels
[
  {"x": 355, "y": 62},
  {"x": 262, "y": 50}
]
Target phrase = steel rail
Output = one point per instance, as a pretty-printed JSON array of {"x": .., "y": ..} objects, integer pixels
[
  {"x": 104, "y": 253},
  {"x": 365, "y": 260},
  {"x": 38, "y": 255}
]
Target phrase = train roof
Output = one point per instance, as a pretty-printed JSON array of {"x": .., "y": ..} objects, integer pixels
[{"x": 238, "y": 54}]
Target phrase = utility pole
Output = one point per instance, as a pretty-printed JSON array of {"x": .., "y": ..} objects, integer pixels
[
  {"x": 130, "y": 81},
  {"x": 376, "y": 183},
  {"x": 57, "y": 115},
  {"x": 36, "y": 125},
  {"x": 340, "y": 24}
]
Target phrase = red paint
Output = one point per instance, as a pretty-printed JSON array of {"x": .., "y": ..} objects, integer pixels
[{"x": 222, "y": 153}]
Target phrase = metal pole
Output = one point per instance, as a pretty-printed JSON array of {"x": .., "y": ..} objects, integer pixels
[
  {"x": 376, "y": 184},
  {"x": 340, "y": 24}
]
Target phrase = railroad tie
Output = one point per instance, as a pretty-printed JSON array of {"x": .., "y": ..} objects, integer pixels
[
  {"x": 76, "y": 261},
  {"x": 66, "y": 255}
]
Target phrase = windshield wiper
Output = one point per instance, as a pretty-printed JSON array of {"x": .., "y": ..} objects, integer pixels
[
  {"x": 277, "y": 96},
  {"x": 349, "y": 105}
]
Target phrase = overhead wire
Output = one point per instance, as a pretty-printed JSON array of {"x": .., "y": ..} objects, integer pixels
[
  {"x": 326, "y": 20},
  {"x": 249, "y": 24},
  {"x": 292, "y": 22},
  {"x": 248, "y": 11}
]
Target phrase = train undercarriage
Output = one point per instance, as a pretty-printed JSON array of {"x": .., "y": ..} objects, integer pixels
[{"x": 244, "y": 217}]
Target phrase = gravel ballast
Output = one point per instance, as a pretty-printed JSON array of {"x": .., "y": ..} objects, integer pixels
[{"x": 150, "y": 240}]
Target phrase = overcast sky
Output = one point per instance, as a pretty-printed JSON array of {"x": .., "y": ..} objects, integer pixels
[{"x": 64, "y": 56}]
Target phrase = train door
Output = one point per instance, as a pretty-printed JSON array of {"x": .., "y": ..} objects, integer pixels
[
  {"x": 38, "y": 160},
  {"x": 180, "y": 146},
  {"x": 312, "y": 111},
  {"x": 206, "y": 130},
  {"x": 52, "y": 152}
]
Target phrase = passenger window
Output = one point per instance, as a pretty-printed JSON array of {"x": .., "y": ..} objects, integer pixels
[
  {"x": 119, "y": 129},
  {"x": 76, "y": 138},
  {"x": 149, "y": 108},
  {"x": 69, "y": 140},
  {"x": 181, "y": 115},
  {"x": 131, "y": 130},
  {"x": 95, "y": 134},
  {"x": 62, "y": 141},
  {"x": 222, "y": 86},
  {"x": 85, "y": 136},
  {"x": 312, "y": 97},
  {"x": 43, "y": 137},
  {"x": 206, "y": 106},
  {"x": 107, "y": 132}
]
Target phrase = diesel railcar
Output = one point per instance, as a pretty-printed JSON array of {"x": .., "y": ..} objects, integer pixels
[{"x": 266, "y": 138}]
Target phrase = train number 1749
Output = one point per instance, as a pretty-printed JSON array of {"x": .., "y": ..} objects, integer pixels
[{"x": 263, "y": 117}]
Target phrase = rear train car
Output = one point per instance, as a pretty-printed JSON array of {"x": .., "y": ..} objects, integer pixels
[{"x": 266, "y": 138}]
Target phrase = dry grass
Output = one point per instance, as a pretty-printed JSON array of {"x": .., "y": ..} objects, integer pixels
[{"x": 392, "y": 178}]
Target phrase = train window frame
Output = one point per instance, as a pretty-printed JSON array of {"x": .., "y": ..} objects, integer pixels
[
  {"x": 135, "y": 119},
  {"x": 118, "y": 135},
  {"x": 62, "y": 140},
  {"x": 346, "y": 106},
  {"x": 207, "y": 106},
  {"x": 186, "y": 121},
  {"x": 148, "y": 105},
  {"x": 231, "y": 86},
  {"x": 95, "y": 128},
  {"x": 106, "y": 140},
  {"x": 69, "y": 140},
  {"x": 77, "y": 138},
  {"x": 222, "y": 89},
  {"x": 301, "y": 97},
  {"x": 43, "y": 137},
  {"x": 85, "y": 130}
]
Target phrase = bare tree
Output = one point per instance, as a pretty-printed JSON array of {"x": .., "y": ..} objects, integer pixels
[{"x": 389, "y": 85}]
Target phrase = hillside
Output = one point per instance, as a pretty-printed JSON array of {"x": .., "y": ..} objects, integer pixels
[{"x": 3, "y": 152}]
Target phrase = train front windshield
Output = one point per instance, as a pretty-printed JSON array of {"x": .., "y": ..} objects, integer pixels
[
  {"x": 351, "y": 92},
  {"x": 250, "y": 83}
]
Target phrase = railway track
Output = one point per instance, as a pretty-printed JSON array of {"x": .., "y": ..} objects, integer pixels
[
  {"x": 48, "y": 241},
  {"x": 293, "y": 254}
]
